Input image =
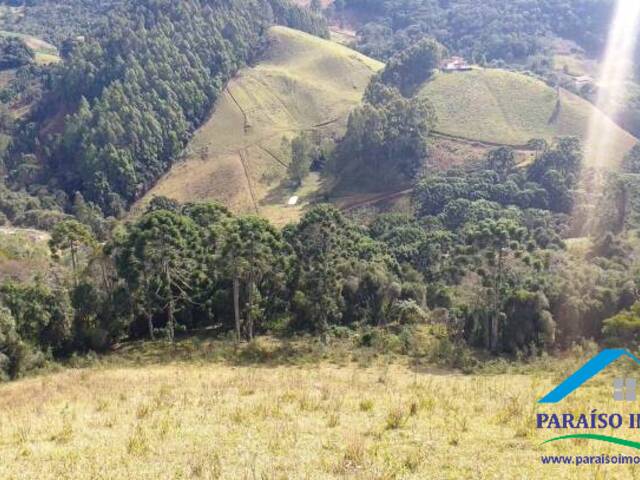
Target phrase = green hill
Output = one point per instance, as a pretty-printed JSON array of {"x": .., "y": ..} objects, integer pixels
[
  {"x": 301, "y": 83},
  {"x": 497, "y": 106}
]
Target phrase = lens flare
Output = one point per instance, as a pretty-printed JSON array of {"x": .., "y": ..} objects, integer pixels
[{"x": 613, "y": 76}]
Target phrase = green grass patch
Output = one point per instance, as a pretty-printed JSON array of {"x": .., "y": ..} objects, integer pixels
[{"x": 497, "y": 106}]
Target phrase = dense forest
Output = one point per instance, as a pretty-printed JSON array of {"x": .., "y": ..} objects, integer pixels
[
  {"x": 482, "y": 31},
  {"x": 486, "y": 251},
  {"x": 56, "y": 22},
  {"x": 156, "y": 67}
]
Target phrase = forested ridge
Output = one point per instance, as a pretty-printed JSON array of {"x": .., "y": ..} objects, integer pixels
[
  {"x": 483, "y": 31},
  {"x": 120, "y": 108}
]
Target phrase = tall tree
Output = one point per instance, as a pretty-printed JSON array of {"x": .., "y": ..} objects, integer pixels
[
  {"x": 158, "y": 257},
  {"x": 302, "y": 153},
  {"x": 252, "y": 251},
  {"x": 71, "y": 236}
]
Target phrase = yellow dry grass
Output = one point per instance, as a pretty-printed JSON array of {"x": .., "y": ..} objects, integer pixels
[
  {"x": 380, "y": 419},
  {"x": 302, "y": 83}
]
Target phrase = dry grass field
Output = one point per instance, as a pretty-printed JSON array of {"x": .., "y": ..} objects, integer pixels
[{"x": 190, "y": 412}]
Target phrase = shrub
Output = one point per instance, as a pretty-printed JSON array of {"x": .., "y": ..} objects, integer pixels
[
  {"x": 407, "y": 312},
  {"x": 623, "y": 328}
]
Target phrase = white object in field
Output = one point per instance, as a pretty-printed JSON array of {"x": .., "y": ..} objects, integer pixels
[{"x": 293, "y": 200}]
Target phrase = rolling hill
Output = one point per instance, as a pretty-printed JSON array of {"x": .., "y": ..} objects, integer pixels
[
  {"x": 45, "y": 52},
  {"x": 301, "y": 83},
  {"x": 501, "y": 107}
]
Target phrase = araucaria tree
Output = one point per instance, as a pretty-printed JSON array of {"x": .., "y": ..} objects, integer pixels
[
  {"x": 158, "y": 258},
  {"x": 252, "y": 252}
]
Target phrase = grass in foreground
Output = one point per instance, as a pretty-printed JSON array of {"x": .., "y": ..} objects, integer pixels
[{"x": 285, "y": 410}]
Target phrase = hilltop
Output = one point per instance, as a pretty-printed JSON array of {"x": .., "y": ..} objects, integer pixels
[
  {"x": 502, "y": 107},
  {"x": 301, "y": 83}
]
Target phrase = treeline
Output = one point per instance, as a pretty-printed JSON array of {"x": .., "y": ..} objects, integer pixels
[
  {"x": 481, "y": 31},
  {"x": 196, "y": 266},
  {"x": 523, "y": 291},
  {"x": 126, "y": 99},
  {"x": 483, "y": 255}
]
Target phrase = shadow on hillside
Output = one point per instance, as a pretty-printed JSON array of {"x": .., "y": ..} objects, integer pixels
[{"x": 264, "y": 351}]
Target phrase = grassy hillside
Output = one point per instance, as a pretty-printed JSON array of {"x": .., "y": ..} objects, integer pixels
[
  {"x": 274, "y": 414},
  {"x": 45, "y": 52},
  {"x": 301, "y": 83},
  {"x": 508, "y": 108}
]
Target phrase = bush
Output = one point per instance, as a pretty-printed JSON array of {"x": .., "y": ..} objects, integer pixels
[
  {"x": 623, "y": 328},
  {"x": 407, "y": 312},
  {"x": 41, "y": 219},
  {"x": 43, "y": 317},
  {"x": 16, "y": 356}
]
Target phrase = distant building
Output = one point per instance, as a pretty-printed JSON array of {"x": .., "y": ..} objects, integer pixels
[
  {"x": 455, "y": 64},
  {"x": 582, "y": 81}
]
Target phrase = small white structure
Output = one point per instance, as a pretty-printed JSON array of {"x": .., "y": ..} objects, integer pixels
[
  {"x": 293, "y": 201},
  {"x": 455, "y": 64},
  {"x": 583, "y": 80}
]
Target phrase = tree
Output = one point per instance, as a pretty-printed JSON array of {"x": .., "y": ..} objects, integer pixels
[
  {"x": 528, "y": 321},
  {"x": 408, "y": 69},
  {"x": 252, "y": 251},
  {"x": 43, "y": 315},
  {"x": 624, "y": 327},
  {"x": 158, "y": 256},
  {"x": 318, "y": 241},
  {"x": 631, "y": 162},
  {"x": 12, "y": 349},
  {"x": 495, "y": 242},
  {"x": 14, "y": 53},
  {"x": 71, "y": 235},
  {"x": 386, "y": 141},
  {"x": 501, "y": 160},
  {"x": 302, "y": 153}
]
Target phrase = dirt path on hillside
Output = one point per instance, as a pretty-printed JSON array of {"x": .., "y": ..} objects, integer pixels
[
  {"x": 372, "y": 200},
  {"x": 272, "y": 155},
  {"x": 478, "y": 143},
  {"x": 243, "y": 161}
]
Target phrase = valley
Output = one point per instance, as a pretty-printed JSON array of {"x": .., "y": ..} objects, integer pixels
[
  {"x": 319, "y": 239},
  {"x": 301, "y": 83}
]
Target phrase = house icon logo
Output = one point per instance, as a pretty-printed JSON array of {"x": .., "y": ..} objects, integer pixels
[{"x": 624, "y": 389}]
